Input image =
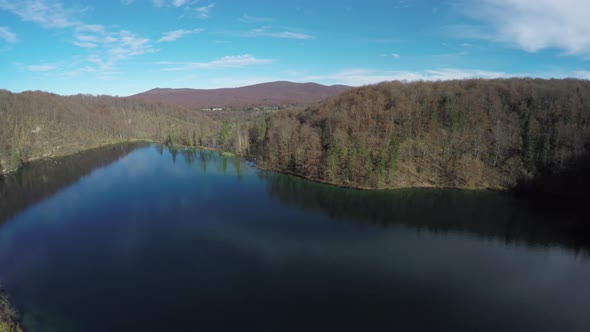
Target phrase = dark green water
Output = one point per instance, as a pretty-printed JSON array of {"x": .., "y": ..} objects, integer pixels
[{"x": 140, "y": 238}]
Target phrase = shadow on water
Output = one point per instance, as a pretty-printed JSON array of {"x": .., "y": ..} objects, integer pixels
[
  {"x": 43, "y": 178},
  {"x": 192, "y": 242},
  {"x": 501, "y": 216},
  {"x": 568, "y": 187}
]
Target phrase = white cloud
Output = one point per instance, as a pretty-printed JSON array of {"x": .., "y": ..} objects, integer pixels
[
  {"x": 395, "y": 55},
  {"x": 177, "y": 34},
  {"x": 534, "y": 25},
  {"x": 158, "y": 3},
  {"x": 263, "y": 32},
  {"x": 173, "y": 3},
  {"x": 41, "y": 67},
  {"x": 84, "y": 44},
  {"x": 129, "y": 44},
  {"x": 253, "y": 19},
  {"x": 235, "y": 61},
  {"x": 458, "y": 74},
  {"x": 290, "y": 35},
  {"x": 179, "y": 3},
  {"x": 358, "y": 77},
  {"x": 583, "y": 74},
  {"x": 46, "y": 13},
  {"x": 469, "y": 31},
  {"x": 107, "y": 48},
  {"x": 97, "y": 28},
  {"x": 7, "y": 35},
  {"x": 203, "y": 12}
]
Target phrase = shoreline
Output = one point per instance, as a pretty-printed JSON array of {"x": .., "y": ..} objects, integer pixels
[
  {"x": 4, "y": 173},
  {"x": 9, "y": 317},
  {"x": 364, "y": 188}
]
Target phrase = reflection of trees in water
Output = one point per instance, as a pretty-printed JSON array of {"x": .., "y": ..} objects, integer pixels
[
  {"x": 500, "y": 216},
  {"x": 238, "y": 166},
  {"x": 206, "y": 157},
  {"x": 43, "y": 178},
  {"x": 174, "y": 152},
  {"x": 203, "y": 157},
  {"x": 190, "y": 155}
]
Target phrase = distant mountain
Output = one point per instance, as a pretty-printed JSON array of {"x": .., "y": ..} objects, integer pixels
[{"x": 265, "y": 94}]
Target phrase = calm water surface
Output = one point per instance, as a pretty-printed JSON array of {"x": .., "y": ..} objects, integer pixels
[{"x": 142, "y": 238}]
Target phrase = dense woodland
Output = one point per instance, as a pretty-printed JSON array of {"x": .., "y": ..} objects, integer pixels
[
  {"x": 464, "y": 133},
  {"x": 37, "y": 124}
]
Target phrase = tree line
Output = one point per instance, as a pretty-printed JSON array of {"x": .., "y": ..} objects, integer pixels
[
  {"x": 37, "y": 124},
  {"x": 462, "y": 133}
]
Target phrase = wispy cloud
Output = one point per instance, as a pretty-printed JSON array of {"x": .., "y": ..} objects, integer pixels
[
  {"x": 158, "y": 3},
  {"x": 107, "y": 48},
  {"x": 41, "y": 67},
  {"x": 203, "y": 12},
  {"x": 179, "y": 3},
  {"x": 173, "y": 3},
  {"x": 469, "y": 31},
  {"x": 358, "y": 77},
  {"x": 584, "y": 74},
  {"x": 177, "y": 34},
  {"x": 383, "y": 41},
  {"x": 8, "y": 35},
  {"x": 392, "y": 55},
  {"x": 266, "y": 32},
  {"x": 46, "y": 13},
  {"x": 254, "y": 19},
  {"x": 457, "y": 74},
  {"x": 232, "y": 61},
  {"x": 533, "y": 25}
]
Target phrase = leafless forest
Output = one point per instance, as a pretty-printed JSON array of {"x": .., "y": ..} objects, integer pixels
[{"x": 464, "y": 133}]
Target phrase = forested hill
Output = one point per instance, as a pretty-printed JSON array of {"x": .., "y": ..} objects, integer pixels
[
  {"x": 463, "y": 134},
  {"x": 466, "y": 134},
  {"x": 38, "y": 124}
]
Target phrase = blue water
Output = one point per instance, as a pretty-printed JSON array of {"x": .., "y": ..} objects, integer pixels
[{"x": 178, "y": 240}]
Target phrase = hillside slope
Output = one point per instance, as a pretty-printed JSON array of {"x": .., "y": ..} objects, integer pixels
[
  {"x": 461, "y": 134},
  {"x": 265, "y": 94},
  {"x": 39, "y": 124},
  {"x": 465, "y": 134}
]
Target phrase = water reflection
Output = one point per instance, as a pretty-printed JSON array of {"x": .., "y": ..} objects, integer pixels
[
  {"x": 41, "y": 179},
  {"x": 180, "y": 240},
  {"x": 500, "y": 216},
  {"x": 487, "y": 214}
]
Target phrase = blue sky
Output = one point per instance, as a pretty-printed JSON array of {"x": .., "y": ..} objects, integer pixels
[{"x": 122, "y": 47}]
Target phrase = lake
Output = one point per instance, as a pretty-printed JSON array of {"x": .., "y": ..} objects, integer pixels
[{"x": 145, "y": 238}]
